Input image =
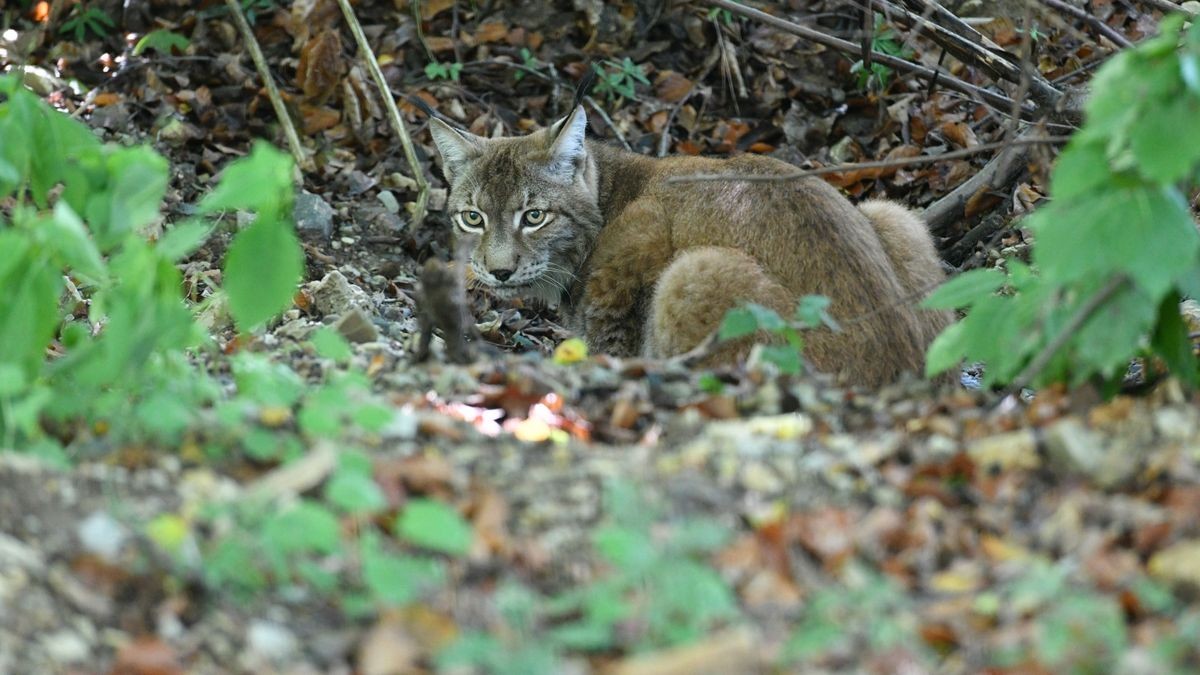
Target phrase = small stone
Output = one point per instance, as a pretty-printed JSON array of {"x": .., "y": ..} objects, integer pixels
[
  {"x": 1072, "y": 446},
  {"x": 334, "y": 295},
  {"x": 1175, "y": 424},
  {"x": 271, "y": 641},
  {"x": 101, "y": 534},
  {"x": 389, "y": 202},
  {"x": 65, "y": 647},
  {"x": 756, "y": 477},
  {"x": 1013, "y": 450},
  {"x": 356, "y": 326},
  {"x": 314, "y": 216}
]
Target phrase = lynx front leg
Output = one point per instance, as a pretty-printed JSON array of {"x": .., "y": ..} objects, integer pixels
[{"x": 630, "y": 253}]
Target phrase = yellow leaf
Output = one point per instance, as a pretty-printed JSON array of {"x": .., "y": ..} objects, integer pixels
[
  {"x": 169, "y": 531},
  {"x": 274, "y": 416},
  {"x": 570, "y": 351}
]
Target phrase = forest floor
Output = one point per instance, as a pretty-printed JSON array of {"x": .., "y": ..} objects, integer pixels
[{"x": 624, "y": 516}]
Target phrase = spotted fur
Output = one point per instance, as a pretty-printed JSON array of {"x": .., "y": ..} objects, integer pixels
[{"x": 640, "y": 266}]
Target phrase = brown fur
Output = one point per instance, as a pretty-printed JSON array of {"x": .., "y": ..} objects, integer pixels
[{"x": 641, "y": 266}]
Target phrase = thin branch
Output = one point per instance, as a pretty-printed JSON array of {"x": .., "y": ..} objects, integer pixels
[
  {"x": 1000, "y": 170},
  {"x": 260, "y": 64},
  {"x": 1168, "y": 6},
  {"x": 946, "y": 79},
  {"x": 398, "y": 126},
  {"x": 608, "y": 121},
  {"x": 881, "y": 164},
  {"x": 971, "y": 47},
  {"x": 1091, "y": 20},
  {"x": 1085, "y": 312}
]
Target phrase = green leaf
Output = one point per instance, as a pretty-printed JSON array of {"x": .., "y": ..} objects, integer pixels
[
  {"x": 738, "y": 322},
  {"x": 305, "y": 527},
  {"x": 1165, "y": 142},
  {"x": 1171, "y": 342},
  {"x": 67, "y": 234},
  {"x": 163, "y": 41},
  {"x": 12, "y": 380},
  {"x": 331, "y": 345},
  {"x": 182, "y": 239},
  {"x": 965, "y": 289},
  {"x": 260, "y": 182},
  {"x": 262, "y": 268},
  {"x": 396, "y": 580},
  {"x": 435, "y": 526},
  {"x": 813, "y": 312},
  {"x": 1081, "y": 168},
  {"x": 28, "y": 307},
  {"x": 354, "y": 492},
  {"x": 947, "y": 350},
  {"x": 137, "y": 181},
  {"x": 785, "y": 357},
  {"x": 1112, "y": 231}
]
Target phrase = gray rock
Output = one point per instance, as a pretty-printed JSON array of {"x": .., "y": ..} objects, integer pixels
[
  {"x": 356, "y": 326},
  {"x": 1072, "y": 446},
  {"x": 271, "y": 641},
  {"x": 101, "y": 534},
  {"x": 334, "y": 295},
  {"x": 314, "y": 216},
  {"x": 65, "y": 647}
]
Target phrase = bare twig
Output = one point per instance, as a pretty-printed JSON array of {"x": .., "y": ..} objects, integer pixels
[
  {"x": 881, "y": 164},
  {"x": 1091, "y": 20},
  {"x": 970, "y": 46},
  {"x": 999, "y": 171},
  {"x": 260, "y": 64},
  {"x": 398, "y": 126},
  {"x": 946, "y": 79},
  {"x": 1168, "y": 6},
  {"x": 1085, "y": 312},
  {"x": 608, "y": 121}
]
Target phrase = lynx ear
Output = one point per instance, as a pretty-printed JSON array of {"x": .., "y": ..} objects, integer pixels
[
  {"x": 567, "y": 150},
  {"x": 457, "y": 148}
]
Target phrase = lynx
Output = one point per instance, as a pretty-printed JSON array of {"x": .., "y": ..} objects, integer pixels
[{"x": 640, "y": 266}]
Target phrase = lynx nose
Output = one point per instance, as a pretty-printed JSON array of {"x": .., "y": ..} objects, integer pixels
[{"x": 501, "y": 275}]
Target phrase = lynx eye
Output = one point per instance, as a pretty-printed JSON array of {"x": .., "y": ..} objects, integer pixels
[
  {"x": 471, "y": 219},
  {"x": 534, "y": 218}
]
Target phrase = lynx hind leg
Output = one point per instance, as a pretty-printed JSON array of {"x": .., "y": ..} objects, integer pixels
[
  {"x": 908, "y": 245},
  {"x": 693, "y": 294}
]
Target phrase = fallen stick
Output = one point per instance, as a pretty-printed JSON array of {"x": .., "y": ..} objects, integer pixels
[
  {"x": 880, "y": 164},
  {"x": 942, "y": 76},
  {"x": 398, "y": 126},
  {"x": 260, "y": 64}
]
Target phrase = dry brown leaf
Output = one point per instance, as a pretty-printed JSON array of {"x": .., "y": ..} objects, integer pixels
[
  {"x": 827, "y": 533},
  {"x": 146, "y": 655},
  {"x": 106, "y": 98},
  {"x": 439, "y": 45},
  {"x": 321, "y": 66},
  {"x": 672, "y": 87},
  {"x": 492, "y": 31},
  {"x": 625, "y": 414},
  {"x": 959, "y": 133},
  {"x": 388, "y": 648},
  {"x": 431, "y": 8},
  {"x": 734, "y": 651},
  {"x": 489, "y": 516},
  {"x": 318, "y": 118}
]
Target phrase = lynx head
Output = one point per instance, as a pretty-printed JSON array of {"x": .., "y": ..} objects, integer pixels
[{"x": 527, "y": 206}]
